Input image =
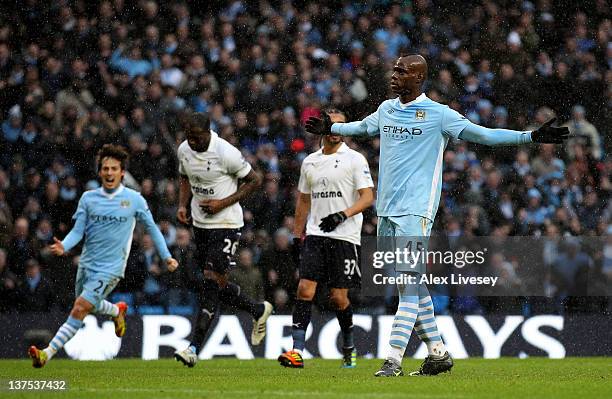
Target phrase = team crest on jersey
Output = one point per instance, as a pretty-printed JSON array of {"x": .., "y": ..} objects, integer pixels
[
  {"x": 420, "y": 115},
  {"x": 124, "y": 204}
]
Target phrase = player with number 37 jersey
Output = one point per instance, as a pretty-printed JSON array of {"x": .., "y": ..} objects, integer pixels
[{"x": 335, "y": 186}]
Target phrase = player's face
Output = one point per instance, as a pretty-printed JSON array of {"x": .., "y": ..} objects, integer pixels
[
  {"x": 404, "y": 77},
  {"x": 334, "y": 139},
  {"x": 197, "y": 139},
  {"x": 111, "y": 173}
]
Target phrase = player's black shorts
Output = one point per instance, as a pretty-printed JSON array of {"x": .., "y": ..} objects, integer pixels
[
  {"x": 216, "y": 248},
  {"x": 331, "y": 261}
]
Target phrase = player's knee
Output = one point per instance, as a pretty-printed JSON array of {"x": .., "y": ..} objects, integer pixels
[
  {"x": 220, "y": 279},
  {"x": 305, "y": 291},
  {"x": 339, "y": 300},
  {"x": 81, "y": 308}
]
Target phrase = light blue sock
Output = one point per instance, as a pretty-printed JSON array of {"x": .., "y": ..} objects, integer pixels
[
  {"x": 405, "y": 317},
  {"x": 63, "y": 335},
  {"x": 426, "y": 326},
  {"x": 107, "y": 308}
]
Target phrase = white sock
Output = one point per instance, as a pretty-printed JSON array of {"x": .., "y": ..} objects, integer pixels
[
  {"x": 108, "y": 308},
  {"x": 50, "y": 352},
  {"x": 436, "y": 348},
  {"x": 298, "y": 351},
  {"x": 396, "y": 354}
]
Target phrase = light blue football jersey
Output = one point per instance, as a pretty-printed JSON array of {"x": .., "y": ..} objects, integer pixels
[
  {"x": 413, "y": 137},
  {"x": 107, "y": 221}
]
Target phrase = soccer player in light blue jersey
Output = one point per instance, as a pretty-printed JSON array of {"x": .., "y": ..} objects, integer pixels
[
  {"x": 106, "y": 218},
  {"x": 414, "y": 131}
]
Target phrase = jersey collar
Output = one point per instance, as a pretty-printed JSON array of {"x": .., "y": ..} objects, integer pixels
[
  {"x": 112, "y": 195},
  {"x": 417, "y": 100},
  {"x": 343, "y": 148}
]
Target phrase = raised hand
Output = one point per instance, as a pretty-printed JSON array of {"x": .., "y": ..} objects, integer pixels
[
  {"x": 547, "y": 134},
  {"x": 320, "y": 126}
]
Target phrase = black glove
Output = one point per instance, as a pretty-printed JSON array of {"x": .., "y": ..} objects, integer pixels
[
  {"x": 320, "y": 126},
  {"x": 296, "y": 249},
  {"x": 331, "y": 221},
  {"x": 547, "y": 134}
]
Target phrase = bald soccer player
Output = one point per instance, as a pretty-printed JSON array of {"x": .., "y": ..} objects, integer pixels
[{"x": 414, "y": 131}]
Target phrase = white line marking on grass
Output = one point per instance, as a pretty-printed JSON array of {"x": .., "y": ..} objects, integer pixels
[{"x": 402, "y": 394}]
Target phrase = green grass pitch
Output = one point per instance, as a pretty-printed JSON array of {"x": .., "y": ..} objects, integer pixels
[{"x": 231, "y": 378}]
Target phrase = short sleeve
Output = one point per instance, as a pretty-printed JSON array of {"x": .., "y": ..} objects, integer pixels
[
  {"x": 303, "y": 185},
  {"x": 453, "y": 122},
  {"x": 371, "y": 122},
  {"x": 142, "y": 208},
  {"x": 181, "y": 160},
  {"x": 361, "y": 173},
  {"x": 235, "y": 162}
]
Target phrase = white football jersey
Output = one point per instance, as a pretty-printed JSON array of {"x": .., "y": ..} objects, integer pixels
[
  {"x": 333, "y": 182},
  {"x": 214, "y": 174}
]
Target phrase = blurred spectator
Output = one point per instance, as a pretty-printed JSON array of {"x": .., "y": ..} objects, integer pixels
[
  {"x": 8, "y": 285},
  {"x": 570, "y": 269},
  {"x": 20, "y": 247},
  {"x": 35, "y": 293},
  {"x": 153, "y": 283},
  {"x": 248, "y": 276},
  {"x": 582, "y": 131},
  {"x": 546, "y": 162},
  {"x": 278, "y": 265}
]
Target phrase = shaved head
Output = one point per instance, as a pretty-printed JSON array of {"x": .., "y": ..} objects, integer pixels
[
  {"x": 417, "y": 62},
  {"x": 409, "y": 74}
]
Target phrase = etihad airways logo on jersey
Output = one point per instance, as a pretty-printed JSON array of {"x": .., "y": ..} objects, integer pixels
[
  {"x": 401, "y": 132},
  {"x": 108, "y": 219},
  {"x": 203, "y": 190},
  {"x": 327, "y": 194}
]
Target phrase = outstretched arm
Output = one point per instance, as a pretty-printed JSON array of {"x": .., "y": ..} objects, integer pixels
[
  {"x": 494, "y": 137},
  {"x": 324, "y": 126},
  {"x": 499, "y": 137}
]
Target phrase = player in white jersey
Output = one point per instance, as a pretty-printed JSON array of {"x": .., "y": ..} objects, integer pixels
[
  {"x": 414, "y": 131},
  {"x": 335, "y": 186},
  {"x": 215, "y": 176}
]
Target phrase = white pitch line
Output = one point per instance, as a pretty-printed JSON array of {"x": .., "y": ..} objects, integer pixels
[{"x": 269, "y": 393}]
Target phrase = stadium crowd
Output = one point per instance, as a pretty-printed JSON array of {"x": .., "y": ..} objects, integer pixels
[{"x": 75, "y": 75}]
